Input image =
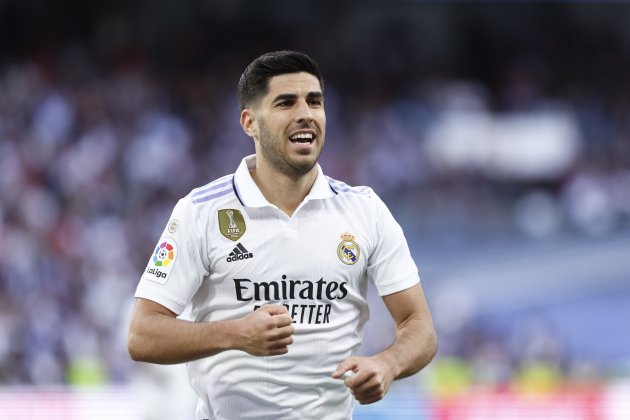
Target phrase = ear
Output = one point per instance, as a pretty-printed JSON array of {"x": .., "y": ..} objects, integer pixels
[{"x": 248, "y": 123}]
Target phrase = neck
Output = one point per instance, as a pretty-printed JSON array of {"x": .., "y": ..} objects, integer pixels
[{"x": 284, "y": 191}]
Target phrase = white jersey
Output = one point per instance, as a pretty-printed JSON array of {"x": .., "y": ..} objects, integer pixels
[{"x": 226, "y": 251}]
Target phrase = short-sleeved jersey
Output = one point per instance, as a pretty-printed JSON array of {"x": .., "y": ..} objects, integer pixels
[{"x": 227, "y": 251}]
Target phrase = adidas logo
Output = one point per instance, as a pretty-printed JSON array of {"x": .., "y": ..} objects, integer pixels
[{"x": 239, "y": 253}]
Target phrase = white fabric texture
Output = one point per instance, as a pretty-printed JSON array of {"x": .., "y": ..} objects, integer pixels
[{"x": 302, "y": 262}]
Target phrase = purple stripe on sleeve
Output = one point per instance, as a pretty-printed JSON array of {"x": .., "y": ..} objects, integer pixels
[
  {"x": 212, "y": 196},
  {"x": 343, "y": 187},
  {"x": 211, "y": 188},
  {"x": 351, "y": 190}
]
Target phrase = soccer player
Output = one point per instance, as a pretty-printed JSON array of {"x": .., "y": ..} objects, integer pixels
[{"x": 273, "y": 262}]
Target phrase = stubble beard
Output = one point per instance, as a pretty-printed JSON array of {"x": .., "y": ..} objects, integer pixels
[{"x": 271, "y": 148}]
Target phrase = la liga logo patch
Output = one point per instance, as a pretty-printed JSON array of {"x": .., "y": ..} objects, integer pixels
[
  {"x": 164, "y": 254},
  {"x": 161, "y": 263}
]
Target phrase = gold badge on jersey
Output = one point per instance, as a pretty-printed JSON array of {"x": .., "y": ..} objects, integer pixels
[
  {"x": 231, "y": 223},
  {"x": 348, "y": 250}
]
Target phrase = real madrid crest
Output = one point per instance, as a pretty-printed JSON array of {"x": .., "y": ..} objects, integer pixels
[
  {"x": 231, "y": 223},
  {"x": 348, "y": 250}
]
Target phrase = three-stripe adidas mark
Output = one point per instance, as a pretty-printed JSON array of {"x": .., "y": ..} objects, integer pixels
[{"x": 239, "y": 253}]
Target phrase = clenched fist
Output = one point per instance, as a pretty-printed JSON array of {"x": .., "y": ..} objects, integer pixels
[
  {"x": 370, "y": 379},
  {"x": 266, "y": 331}
]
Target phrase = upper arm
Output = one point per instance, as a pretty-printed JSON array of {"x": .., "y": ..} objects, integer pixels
[
  {"x": 390, "y": 265},
  {"x": 408, "y": 304},
  {"x": 179, "y": 262},
  {"x": 145, "y": 307},
  {"x": 143, "y": 319}
]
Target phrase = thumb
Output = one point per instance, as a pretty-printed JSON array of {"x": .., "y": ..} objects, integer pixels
[{"x": 346, "y": 365}]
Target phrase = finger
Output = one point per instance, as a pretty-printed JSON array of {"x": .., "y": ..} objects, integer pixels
[
  {"x": 283, "y": 332},
  {"x": 274, "y": 309},
  {"x": 283, "y": 320},
  {"x": 369, "y": 387},
  {"x": 370, "y": 400},
  {"x": 370, "y": 393},
  {"x": 373, "y": 396},
  {"x": 346, "y": 365},
  {"x": 278, "y": 351},
  {"x": 358, "y": 379},
  {"x": 285, "y": 342}
]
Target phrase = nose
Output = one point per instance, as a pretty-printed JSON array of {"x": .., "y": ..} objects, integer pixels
[{"x": 304, "y": 113}]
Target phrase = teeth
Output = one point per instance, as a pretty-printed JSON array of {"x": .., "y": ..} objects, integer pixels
[{"x": 302, "y": 136}]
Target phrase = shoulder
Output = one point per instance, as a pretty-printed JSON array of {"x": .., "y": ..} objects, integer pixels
[
  {"x": 212, "y": 192},
  {"x": 361, "y": 199},
  {"x": 194, "y": 208},
  {"x": 340, "y": 188}
]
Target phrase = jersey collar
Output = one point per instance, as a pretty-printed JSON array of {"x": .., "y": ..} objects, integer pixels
[{"x": 250, "y": 195}]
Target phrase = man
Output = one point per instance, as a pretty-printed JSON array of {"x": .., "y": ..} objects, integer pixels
[{"x": 274, "y": 263}]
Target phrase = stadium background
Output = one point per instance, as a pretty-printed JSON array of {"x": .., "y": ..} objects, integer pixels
[{"x": 498, "y": 133}]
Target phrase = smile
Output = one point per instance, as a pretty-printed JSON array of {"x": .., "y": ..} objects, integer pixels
[{"x": 303, "y": 137}]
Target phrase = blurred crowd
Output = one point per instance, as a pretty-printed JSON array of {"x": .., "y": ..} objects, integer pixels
[{"x": 93, "y": 160}]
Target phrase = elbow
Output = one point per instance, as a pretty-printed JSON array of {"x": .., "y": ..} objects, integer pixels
[
  {"x": 430, "y": 348},
  {"x": 142, "y": 348},
  {"x": 143, "y": 337},
  {"x": 433, "y": 345},
  {"x": 134, "y": 347}
]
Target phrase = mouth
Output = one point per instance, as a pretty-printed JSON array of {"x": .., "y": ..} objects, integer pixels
[{"x": 302, "y": 137}]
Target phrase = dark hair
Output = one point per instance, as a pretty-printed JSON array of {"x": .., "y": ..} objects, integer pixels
[{"x": 254, "y": 81}]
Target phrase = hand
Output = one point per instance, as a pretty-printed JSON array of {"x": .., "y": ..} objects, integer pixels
[
  {"x": 371, "y": 378},
  {"x": 266, "y": 331}
]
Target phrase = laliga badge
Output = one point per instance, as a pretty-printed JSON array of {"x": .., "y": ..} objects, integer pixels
[
  {"x": 348, "y": 250},
  {"x": 231, "y": 223},
  {"x": 162, "y": 260}
]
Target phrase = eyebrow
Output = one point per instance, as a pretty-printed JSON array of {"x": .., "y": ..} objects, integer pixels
[{"x": 292, "y": 96}]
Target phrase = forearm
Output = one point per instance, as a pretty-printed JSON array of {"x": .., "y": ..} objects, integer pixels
[
  {"x": 158, "y": 338},
  {"x": 413, "y": 349}
]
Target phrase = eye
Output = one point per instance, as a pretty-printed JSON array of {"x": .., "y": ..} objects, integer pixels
[
  {"x": 316, "y": 102},
  {"x": 286, "y": 103}
]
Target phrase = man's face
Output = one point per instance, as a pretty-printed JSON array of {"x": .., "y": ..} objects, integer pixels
[{"x": 289, "y": 123}]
